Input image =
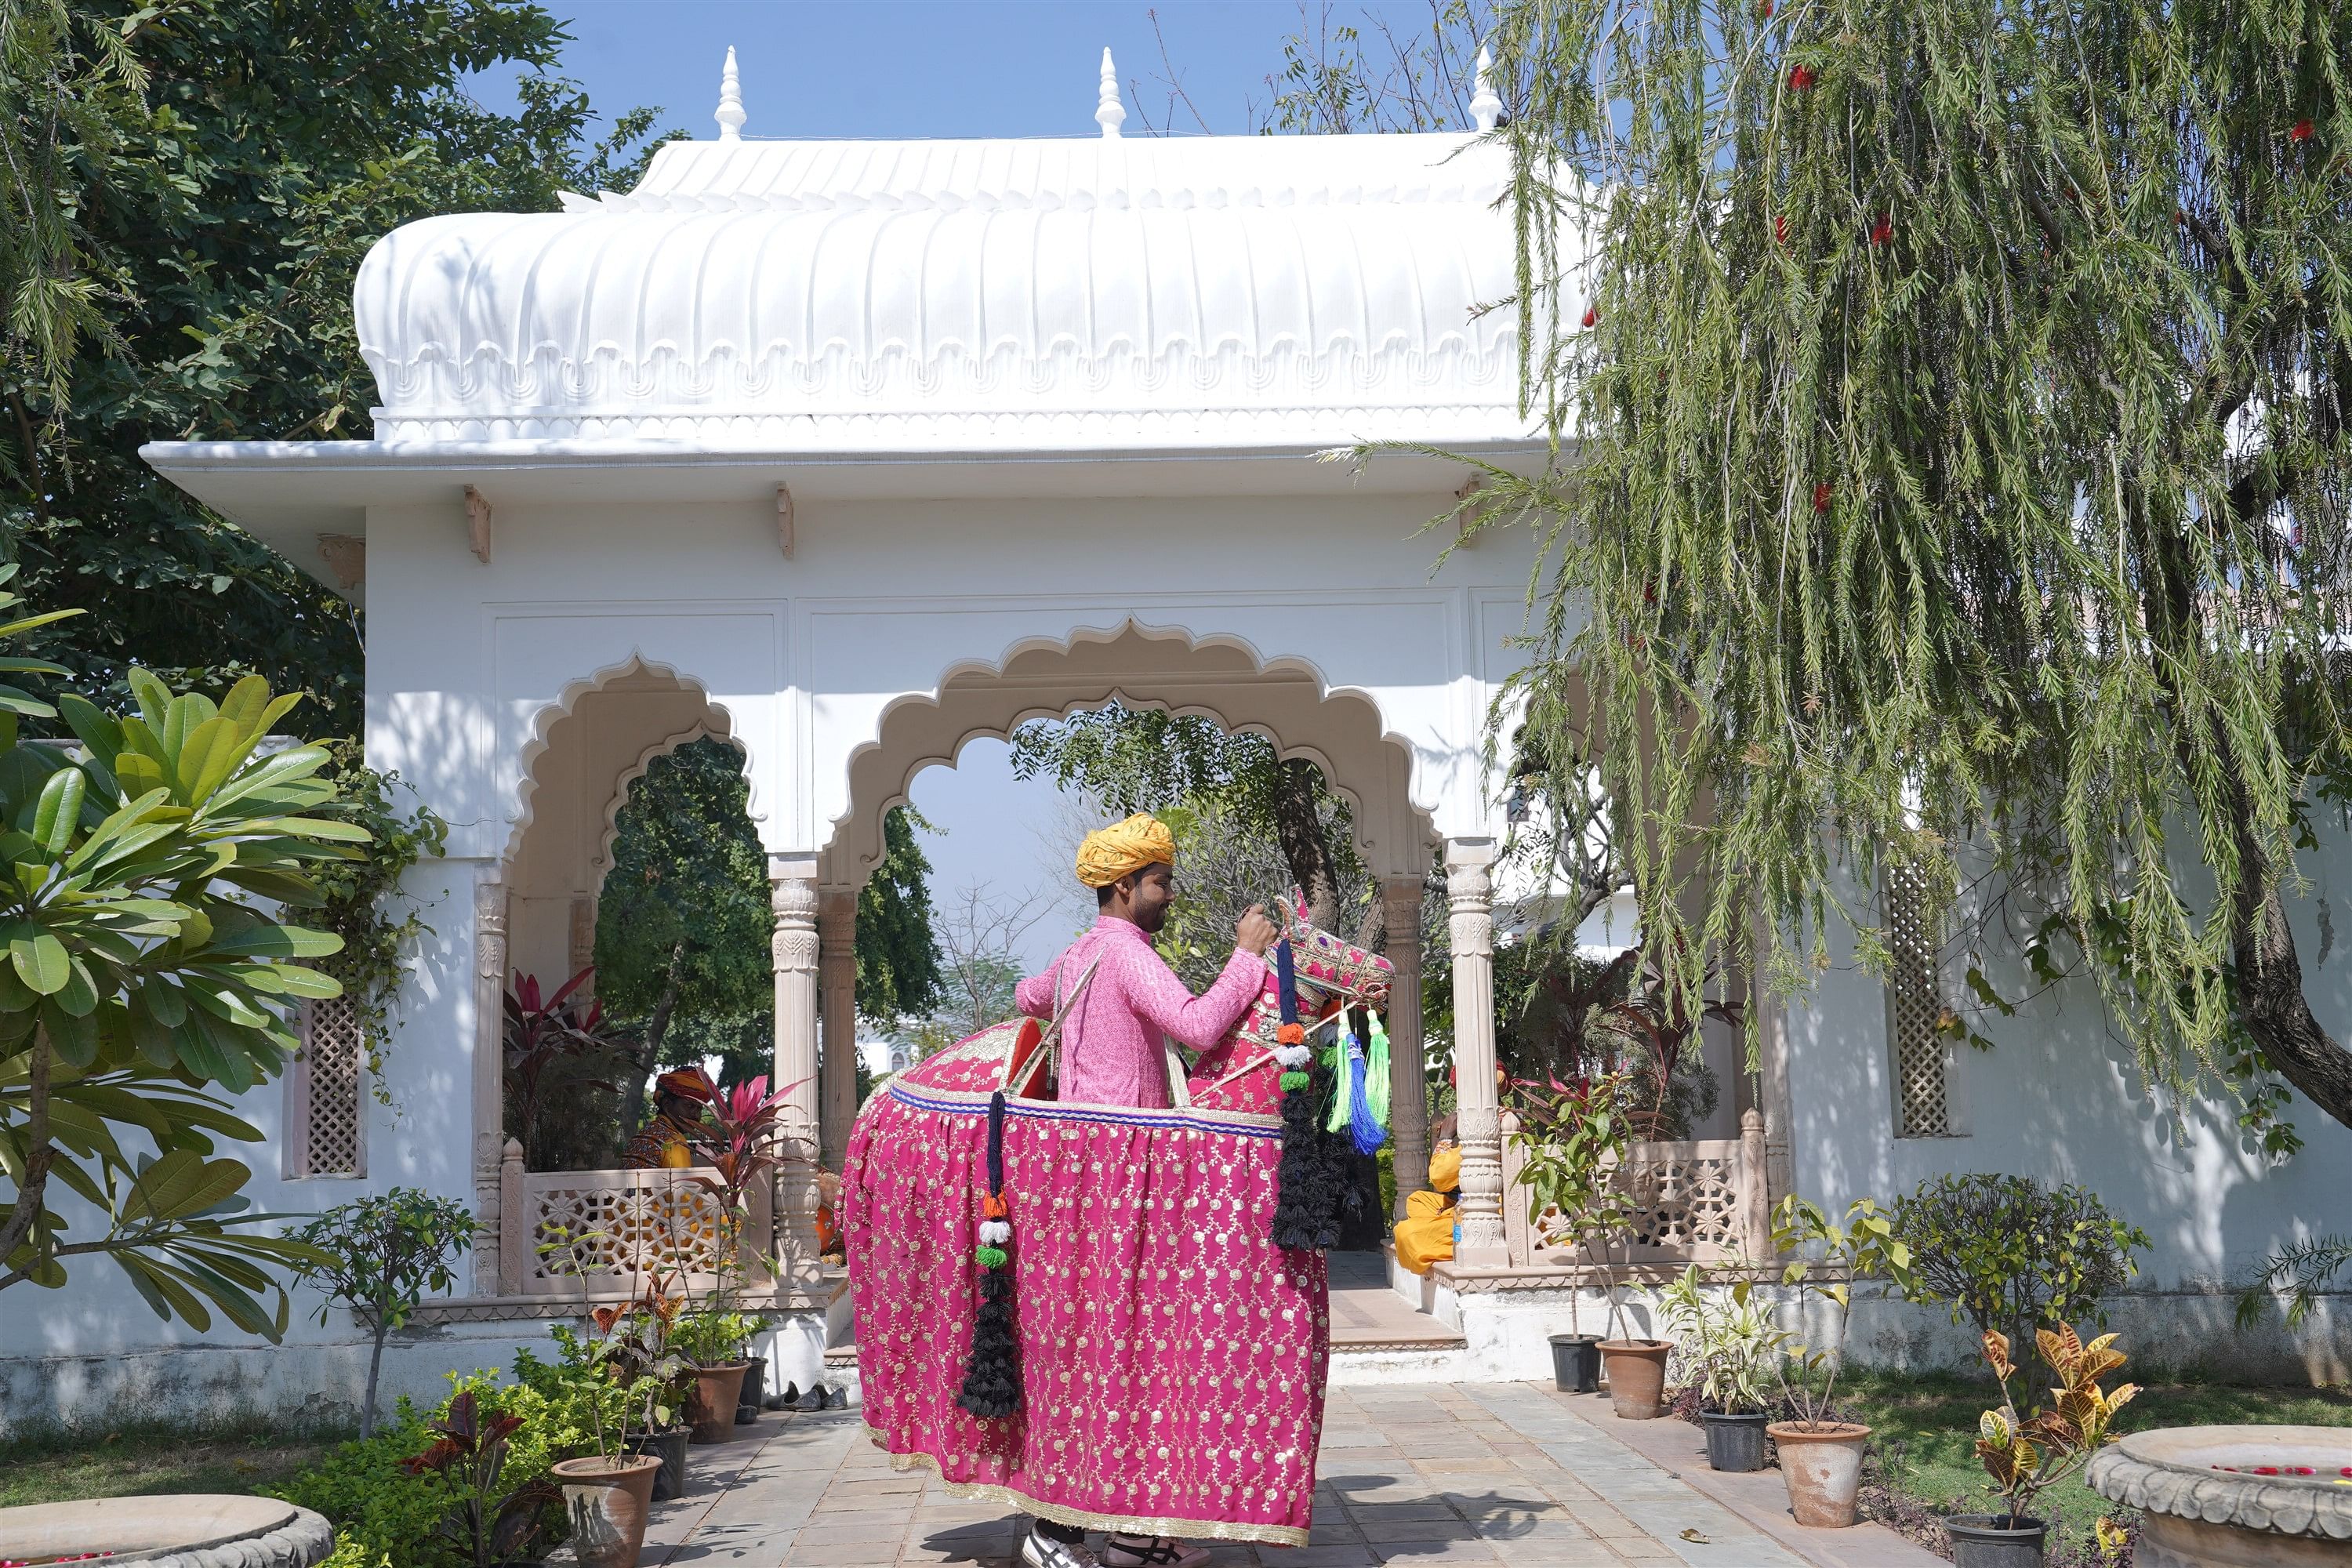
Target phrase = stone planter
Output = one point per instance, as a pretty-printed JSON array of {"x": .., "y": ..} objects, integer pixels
[
  {"x": 1637, "y": 1377},
  {"x": 1995, "y": 1541},
  {"x": 606, "y": 1499},
  {"x": 186, "y": 1531},
  {"x": 1735, "y": 1441},
  {"x": 710, "y": 1401},
  {"x": 2208, "y": 1503},
  {"x": 1823, "y": 1468}
]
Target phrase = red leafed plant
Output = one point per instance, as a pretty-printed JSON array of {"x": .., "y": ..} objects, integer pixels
[
  {"x": 487, "y": 1522},
  {"x": 550, "y": 1041},
  {"x": 750, "y": 1145}
]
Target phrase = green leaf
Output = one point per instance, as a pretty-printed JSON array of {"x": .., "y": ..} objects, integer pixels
[{"x": 41, "y": 964}]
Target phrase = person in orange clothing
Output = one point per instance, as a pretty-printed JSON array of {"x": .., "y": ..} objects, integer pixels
[
  {"x": 675, "y": 1137},
  {"x": 1425, "y": 1236}
]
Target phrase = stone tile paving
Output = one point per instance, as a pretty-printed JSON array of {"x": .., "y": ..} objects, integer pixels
[{"x": 1423, "y": 1474}]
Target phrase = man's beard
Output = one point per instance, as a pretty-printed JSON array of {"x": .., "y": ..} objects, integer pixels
[{"x": 1153, "y": 921}]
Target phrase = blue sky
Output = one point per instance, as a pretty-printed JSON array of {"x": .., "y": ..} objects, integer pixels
[
  {"x": 943, "y": 68},
  {"x": 931, "y": 67}
]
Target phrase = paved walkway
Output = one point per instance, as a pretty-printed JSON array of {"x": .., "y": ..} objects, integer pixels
[{"x": 1507, "y": 1473}]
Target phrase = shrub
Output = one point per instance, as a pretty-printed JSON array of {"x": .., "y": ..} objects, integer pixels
[
  {"x": 386, "y": 1517},
  {"x": 2005, "y": 1253}
]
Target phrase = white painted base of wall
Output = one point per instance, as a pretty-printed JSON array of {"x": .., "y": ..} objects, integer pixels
[
  {"x": 2167, "y": 1335},
  {"x": 306, "y": 1385}
]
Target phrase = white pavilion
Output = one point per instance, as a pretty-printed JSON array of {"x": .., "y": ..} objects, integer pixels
[{"x": 846, "y": 453}]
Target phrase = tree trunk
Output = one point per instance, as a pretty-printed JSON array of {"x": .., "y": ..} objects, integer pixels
[
  {"x": 1298, "y": 829},
  {"x": 40, "y": 1154},
  {"x": 375, "y": 1366},
  {"x": 646, "y": 1056},
  {"x": 2270, "y": 995}
]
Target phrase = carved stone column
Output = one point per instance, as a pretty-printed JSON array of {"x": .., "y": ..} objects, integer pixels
[
  {"x": 792, "y": 890},
  {"x": 582, "y": 947},
  {"x": 1470, "y": 894},
  {"x": 836, "y": 931},
  {"x": 1408, "y": 1068},
  {"x": 489, "y": 1072}
]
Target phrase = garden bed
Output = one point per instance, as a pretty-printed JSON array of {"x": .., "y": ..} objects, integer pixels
[
  {"x": 143, "y": 1459},
  {"x": 1925, "y": 1423}
]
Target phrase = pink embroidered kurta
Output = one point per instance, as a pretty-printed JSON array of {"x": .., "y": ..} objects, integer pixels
[{"x": 1112, "y": 1053}]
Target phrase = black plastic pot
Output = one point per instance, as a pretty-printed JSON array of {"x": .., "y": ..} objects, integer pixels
[
  {"x": 669, "y": 1447},
  {"x": 1995, "y": 1541},
  {"x": 747, "y": 1404},
  {"x": 1735, "y": 1442},
  {"x": 1576, "y": 1362}
]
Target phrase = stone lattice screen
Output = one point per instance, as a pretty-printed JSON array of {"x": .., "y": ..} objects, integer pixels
[
  {"x": 328, "y": 1090},
  {"x": 1920, "y": 1056},
  {"x": 625, "y": 1229},
  {"x": 1695, "y": 1202}
]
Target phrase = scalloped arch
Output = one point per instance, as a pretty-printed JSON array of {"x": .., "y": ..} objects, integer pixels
[
  {"x": 1220, "y": 676},
  {"x": 720, "y": 724}
]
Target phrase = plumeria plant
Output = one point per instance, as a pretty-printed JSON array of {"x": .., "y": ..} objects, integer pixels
[{"x": 2026, "y": 1456}]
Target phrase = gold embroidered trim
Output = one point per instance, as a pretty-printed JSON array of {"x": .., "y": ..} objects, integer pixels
[{"x": 1132, "y": 1524}]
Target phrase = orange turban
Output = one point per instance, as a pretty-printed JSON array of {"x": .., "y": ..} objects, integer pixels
[{"x": 1110, "y": 853}]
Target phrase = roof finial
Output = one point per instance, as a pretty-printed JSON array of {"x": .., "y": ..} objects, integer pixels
[
  {"x": 1485, "y": 108},
  {"x": 1109, "y": 113},
  {"x": 730, "y": 101}
]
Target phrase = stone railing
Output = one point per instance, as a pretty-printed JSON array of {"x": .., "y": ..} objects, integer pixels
[
  {"x": 618, "y": 1232},
  {"x": 1702, "y": 1200}
]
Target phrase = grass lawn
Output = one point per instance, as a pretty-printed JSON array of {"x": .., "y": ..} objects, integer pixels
[
  {"x": 133, "y": 1460},
  {"x": 1925, "y": 1424}
]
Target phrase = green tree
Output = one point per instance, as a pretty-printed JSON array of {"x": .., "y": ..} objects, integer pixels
[
  {"x": 381, "y": 1256},
  {"x": 1144, "y": 758},
  {"x": 1949, "y": 410},
  {"x": 683, "y": 927},
  {"x": 191, "y": 187},
  {"x": 139, "y": 976}
]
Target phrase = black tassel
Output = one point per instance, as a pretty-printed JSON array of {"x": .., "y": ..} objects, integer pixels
[
  {"x": 1307, "y": 1210},
  {"x": 991, "y": 1370}
]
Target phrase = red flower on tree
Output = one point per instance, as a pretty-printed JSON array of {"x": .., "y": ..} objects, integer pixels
[
  {"x": 1591, "y": 315},
  {"x": 1883, "y": 230},
  {"x": 1780, "y": 228},
  {"x": 1764, "y": 11},
  {"x": 1802, "y": 77},
  {"x": 2302, "y": 131},
  {"x": 1822, "y": 493}
]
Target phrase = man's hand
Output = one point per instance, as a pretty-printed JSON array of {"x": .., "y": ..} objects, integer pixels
[{"x": 1254, "y": 933}]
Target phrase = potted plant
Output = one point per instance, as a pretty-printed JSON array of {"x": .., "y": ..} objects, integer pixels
[
  {"x": 753, "y": 1396},
  {"x": 1821, "y": 1456},
  {"x": 657, "y": 1378},
  {"x": 605, "y": 1495},
  {"x": 711, "y": 1341},
  {"x": 1727, "y": 1345},
  {"x": 2027, "y": 1456},
  {"x": 490, "y": 1523},
  {"x": 1570, "y": 1139}
]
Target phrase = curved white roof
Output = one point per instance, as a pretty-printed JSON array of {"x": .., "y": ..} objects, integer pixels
[{"x": 891, "y": 296}]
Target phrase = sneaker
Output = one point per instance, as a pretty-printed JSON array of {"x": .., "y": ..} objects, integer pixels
[
  {"x": 1045, "y": 1552},
  {"x": 1150, "y": 1552}
]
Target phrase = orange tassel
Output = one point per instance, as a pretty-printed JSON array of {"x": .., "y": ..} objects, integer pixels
[
  {"x": 991, "y": 1207},
  {"x": 1291, "y": 1034}
]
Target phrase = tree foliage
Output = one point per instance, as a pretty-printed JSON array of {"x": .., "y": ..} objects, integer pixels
[
  {"x": 190, "y": 189},
  {"x": 683, "y": 927},
  {"x": 1949, "y": 408},
  {"x": 139, "y": 976},
  {"x": 381, "y": 1256},
  {"x": 1144, "y": 758}
]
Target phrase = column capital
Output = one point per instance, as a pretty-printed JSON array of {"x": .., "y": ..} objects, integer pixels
[
  {"x": 1467, "y": 853},
  {"x": 837, "y": 915}
]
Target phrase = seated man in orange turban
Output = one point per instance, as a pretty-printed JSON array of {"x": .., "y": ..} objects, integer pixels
[
  {"x": 672, "y": 1140},
  {"x": 1425, "y": 1236}
]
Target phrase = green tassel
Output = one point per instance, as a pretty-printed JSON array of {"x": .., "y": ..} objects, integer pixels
[
  {"x": 1291, "y": 1080},
  {"x": 990, "y": 1256},
  {"x": 1376, "y": 1073}
]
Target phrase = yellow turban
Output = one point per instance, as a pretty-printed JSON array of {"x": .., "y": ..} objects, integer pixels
[{"x": 1110, "y": 853}]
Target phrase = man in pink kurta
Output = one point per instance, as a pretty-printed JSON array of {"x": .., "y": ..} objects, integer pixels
[{"x": 1113, "y": 1050}]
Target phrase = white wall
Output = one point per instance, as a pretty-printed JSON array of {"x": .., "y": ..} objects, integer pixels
[{"x": 2060, "y": 1098}]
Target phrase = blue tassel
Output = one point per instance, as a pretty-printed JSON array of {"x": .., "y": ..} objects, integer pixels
[{"x": 1361, "y": 1121}]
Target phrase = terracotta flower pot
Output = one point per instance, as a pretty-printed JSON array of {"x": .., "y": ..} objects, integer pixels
[
  {"x": 710, "y": 1401},
  {"x": 1822, "y": 1468},
  {"x": 1637, "y": 1377},
  {"x": 605, "y": 1501}
]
